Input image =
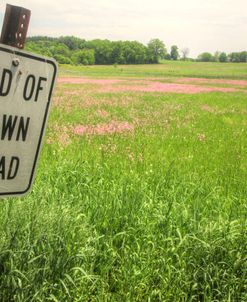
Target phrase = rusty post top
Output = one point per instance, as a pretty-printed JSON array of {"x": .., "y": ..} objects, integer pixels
[{"x": 15, "y": 26}]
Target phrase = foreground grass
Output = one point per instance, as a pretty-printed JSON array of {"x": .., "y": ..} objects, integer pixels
[{"x": 154, "y": 214}]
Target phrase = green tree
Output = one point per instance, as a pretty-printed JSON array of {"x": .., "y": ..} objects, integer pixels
[
  {"x": 117, "y": 54},
  {"x": 234, "y": 57},
  {"x": 206, "y": 57},
  {"x": 174, "y": 53},
  {"x": 134, "y": 52},
  {"x": 223, "y": 57},
  {"x": 156, "y": 51},
  {"x": 167, "y": 56},
  {"x": 243, "y": 56},
  {"x": 84, "y": 57},
  {"x": 60, "y": 49},
  {"x": 73, "y": 43},
  {"x": 102, "y": 49},
  {"x": 62, "y": 59}
]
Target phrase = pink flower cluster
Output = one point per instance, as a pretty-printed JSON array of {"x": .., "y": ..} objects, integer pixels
[
  {"x": 242, "y": 83},
  {"x": 67, "y": 80},
  {"x": 181, "y": 85},
  {"x": 167, "y": 87}
]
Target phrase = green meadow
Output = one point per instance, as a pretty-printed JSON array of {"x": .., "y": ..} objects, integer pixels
[
  {"x": 139, "y": 195},
  {"x": 168, "y": 68}
]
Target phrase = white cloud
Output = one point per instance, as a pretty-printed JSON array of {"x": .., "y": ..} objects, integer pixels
[{"x": 198, "y": 24}]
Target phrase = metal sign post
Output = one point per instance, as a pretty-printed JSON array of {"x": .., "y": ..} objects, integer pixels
[
  {"x": 15, "y": 26},
  {"x": 26, "y": 85}
]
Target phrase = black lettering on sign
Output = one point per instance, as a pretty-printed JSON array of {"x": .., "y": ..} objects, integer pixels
[
  {"x": 2, "y": 167},
  {"x": 39, "y": 87},
  {"x": 5, "y": 83},
  {"x": 8, "y": 126},
  {"x": 10, "y": 123},
  {"x": 10, "y": 171},
  {"x": 22, "y": 129},
  {"x": 30, "y": 87},
  {"x": 13, "y": 167}
]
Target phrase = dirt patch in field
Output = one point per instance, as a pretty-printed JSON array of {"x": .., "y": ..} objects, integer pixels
[
  {"x": 210, "y": 109},
  {"x": 59, "y": 133},
  {"x": 207, "y": 108},
  {"x": 102, "y": 113},
  {"x": 104, "y": 129},
  {"x": 87, "y": 99}
]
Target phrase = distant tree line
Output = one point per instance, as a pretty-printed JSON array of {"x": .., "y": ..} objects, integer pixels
[
  {"x": 234, "y": 57},
  {"x": 72, "y": 50},
  {"x": 76, "y": 51}
]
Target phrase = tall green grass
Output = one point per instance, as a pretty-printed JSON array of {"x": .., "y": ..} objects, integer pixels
[{"x": 158, "y": 214}]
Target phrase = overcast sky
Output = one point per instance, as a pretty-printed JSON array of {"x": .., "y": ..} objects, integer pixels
[{"x": 200, "y": 25}]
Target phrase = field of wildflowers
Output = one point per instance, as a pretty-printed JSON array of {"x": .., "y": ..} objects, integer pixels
[{"x": 140, "y": 192}]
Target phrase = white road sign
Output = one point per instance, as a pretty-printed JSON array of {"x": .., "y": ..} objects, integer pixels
[{"x": 26, "y": 84}]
